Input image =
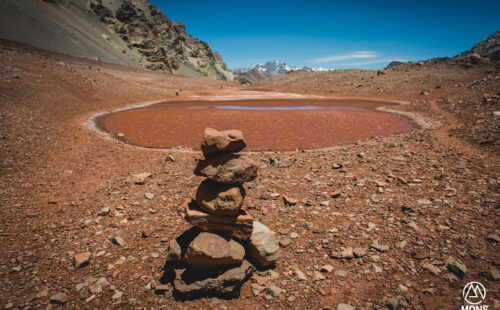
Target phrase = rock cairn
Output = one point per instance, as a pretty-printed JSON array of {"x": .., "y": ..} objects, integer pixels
[{"x": 217, "y": 255}]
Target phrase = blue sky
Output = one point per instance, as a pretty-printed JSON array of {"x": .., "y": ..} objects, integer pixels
[{"x": 335, "y": 34}]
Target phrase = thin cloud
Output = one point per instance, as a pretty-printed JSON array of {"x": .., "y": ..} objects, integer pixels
[
  {"x": 354, "y": 55},
  {"x": 372, "y": 62}
]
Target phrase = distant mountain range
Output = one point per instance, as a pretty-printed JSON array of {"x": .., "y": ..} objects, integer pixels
[{"x": 276, "y": 67}]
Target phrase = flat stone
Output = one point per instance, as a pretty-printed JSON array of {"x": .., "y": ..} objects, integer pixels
[
  {"x": 140, "y": 178},
  {"x": 493, "y": 237},
  {"x": 95, "y": 288},
  {"x": 59, "y": 298},
  {"x": 347, "y": 253},
  {"x": 210, "y": 250},
  {"x": 117, "y": 295},
  {"x": 402, "y": 289},
  {"x": 118, "y": 240},
  {"x": 327, "y": 268},
  {"x": 215, "y": 141},
  {"x": 457, "y": 268},
  {"x": 344, "y": 254},
  {"x": 289, "y": 201},
  {"x": 379, "y": 247},
  {"x": 318, "y": 276},
  {"x": 340, "y": 273},
  {"x": 274, "y": 290},
  {"x": 359, "y": 252},
  {"x": 424, "y": 201},
  {"x": 284, "y": 242},
  {"x": 228, "y": 169},
  {"x": 219, "y": 198},
  {"x": 149, "y": 196},
  {"x": 376, "y": 268},
  {"x": 257, "y": 289},
  {"x": 226, "y": 282},
  {"x": 300, "y": 275},
  {"x": 263, "y": 246},
  {"x": 162, "y": 289},
  {"x": 81, "y": 259},
  {"x": 104, "y": 211},
  {"x": 239, "y": 227},
  {"x": 432, "y": 269},
  {"x": 345, "y": 307}
]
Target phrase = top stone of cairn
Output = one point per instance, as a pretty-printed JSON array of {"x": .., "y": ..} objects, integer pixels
[{"x": 215, "y": 141}]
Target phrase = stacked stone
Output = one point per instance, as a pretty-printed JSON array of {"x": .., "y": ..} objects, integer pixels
[{"x": 213, "y": 257}]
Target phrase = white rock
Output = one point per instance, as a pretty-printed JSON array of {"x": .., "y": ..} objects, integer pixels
[{"x": 263, "y": 246}]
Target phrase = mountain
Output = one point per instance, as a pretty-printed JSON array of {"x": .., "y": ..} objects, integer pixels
[
  {"x": 393, "y": 63},
  {"x": 253, "y": 76},
  {"x": 128, "y": 32},
  {"x": 276, "y": 67},
  {"x": 488, "y": 48}
]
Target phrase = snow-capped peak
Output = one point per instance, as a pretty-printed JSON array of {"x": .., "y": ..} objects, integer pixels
[{"x": 276, "y": 67}]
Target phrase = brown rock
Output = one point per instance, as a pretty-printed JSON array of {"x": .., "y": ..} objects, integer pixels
[
  {"x": 140, "y": 178},
  {"x": 228, "y": 169},
  {"x": 289, "y": 201},
  {"x": 210, "y": 250},
  {"x": 220, "y": 199},
  {"x": 81, "y": 259},
  {"x": 239, "y": 227},
  {"x": 225, "y": 282},
  {"x": 59, "y": 298},
  {"x": 222, "y": 141},
  {"x": 432, "y": 269},
  {"x": 178, "y": 246}
]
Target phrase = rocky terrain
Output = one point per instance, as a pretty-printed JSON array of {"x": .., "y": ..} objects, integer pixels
[
  {"x": 133, "y": 33},
  {"x": 468, "y": 88},
  {"x": 399, "y": 222}
]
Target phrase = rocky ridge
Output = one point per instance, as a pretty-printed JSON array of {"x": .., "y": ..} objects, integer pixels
[
  {"x": 487, "y": 48},
  {"x": 164, "y": 45},
  {"x": 131, "y": 33}
]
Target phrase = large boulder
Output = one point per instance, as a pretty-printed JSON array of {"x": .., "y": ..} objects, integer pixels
[
  {"x": 263, "y": 246},
  {"x": 191, "y": 283},
  {"x": 228, "y": 169},
  {"x": 215, "y": 141},
  {"x": 210, "y": 250},
  {"x": 239, "y": 227},
  {"x": 219, "y": 198}
]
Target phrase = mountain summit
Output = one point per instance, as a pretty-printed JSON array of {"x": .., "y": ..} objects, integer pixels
[
  {"x": 276, "y": 67},
  {"x": 487, "y": 48}
]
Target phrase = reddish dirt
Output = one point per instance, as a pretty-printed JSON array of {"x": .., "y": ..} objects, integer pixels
[
  {"x": 165, "y": 126},
  {"x": 425, "y": 194}
]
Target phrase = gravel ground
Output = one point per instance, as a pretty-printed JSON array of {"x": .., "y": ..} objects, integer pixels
[{"x": 401, "y": 221}]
